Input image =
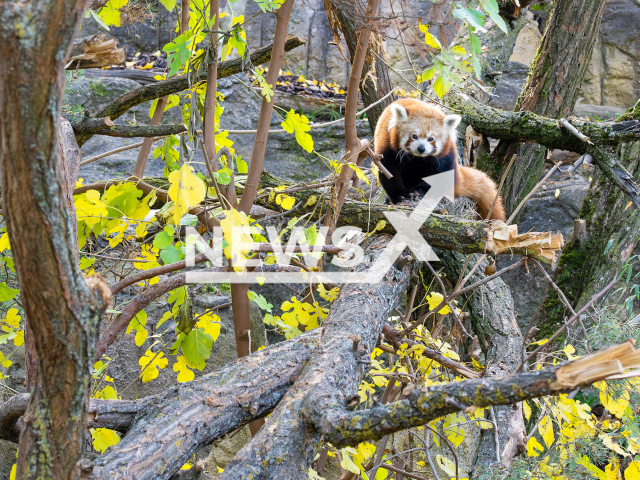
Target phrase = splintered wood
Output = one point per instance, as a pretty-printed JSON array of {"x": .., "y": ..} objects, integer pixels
[
  {"x": 503, "y": 238},
  {"x": 608, "y": 364},
  {"x": 95, "y": 52}
]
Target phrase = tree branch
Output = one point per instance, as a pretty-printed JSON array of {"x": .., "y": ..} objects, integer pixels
[
  {"x": 94, "y": 127},
  {"x": 152, "y": 91},
  {"x": 285, "y": 446},
  {"x": 192, "y": 415},
  {"x": 525, "y": 126}
]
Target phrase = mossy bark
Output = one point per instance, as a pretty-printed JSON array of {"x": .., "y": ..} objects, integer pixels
[
  {"x": 551, "y": 90},
  {"x": 612, "y": 225}
]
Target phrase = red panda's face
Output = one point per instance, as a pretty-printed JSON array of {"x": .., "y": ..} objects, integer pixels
[{"x": 422, "y": 133}]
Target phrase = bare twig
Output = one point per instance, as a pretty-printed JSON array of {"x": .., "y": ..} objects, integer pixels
[
  {"x": 568, "y": 323},
  {"x": 533, "y": 190},
  {"x": 504, "y": 176},
  {"x": 565, "y": 123}
]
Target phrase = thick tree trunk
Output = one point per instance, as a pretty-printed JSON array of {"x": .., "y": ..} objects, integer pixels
[
  {"x": 493, "y": 317},
  {"x": 62, "y": 308},
  {"x": 551, "y": 90}
]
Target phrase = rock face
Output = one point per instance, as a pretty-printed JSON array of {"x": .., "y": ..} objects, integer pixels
[{"x": 613, "y": 77}]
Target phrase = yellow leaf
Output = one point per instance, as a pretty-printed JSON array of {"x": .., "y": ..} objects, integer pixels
[
  {"x": 347, "y": 463},
  {"x": 359, "y": 173},
  {"x": 632, "y": 472},
  {"x": 611, "y": 445},
  {"x": 103, "y": 438},
  {"x": 446, "y": 465},
  {"x": 545, "y": 428},
  {"x": 181, "y": 366},
  {"x": 4, "y": 242},
  {"x": 586, "y": 463},
  {"x": 13, "y": 318},
  {"x": 534, "y": 448},
  {"x": 569, "y": 351},
  {"x": 210, "y": 323},
  {"x": 186, "y": 191},
  {"x": 311, "y": 201},
  {"x": 154, "y": 362},
  {"x": 616, "y": 406},
  {"x": 285, "y": 201},
  {"x": 328, "y": 295},
  {"x": 434, "y": 299},
  {"x": 236, "y": 230},
  {"x": 526, "y": 409},
  {"x": 300, "y": 125},
  {"x": 429, "y": 39},
  {"x": 380, "y": 225},
  {"x": 612, "y": 470}
]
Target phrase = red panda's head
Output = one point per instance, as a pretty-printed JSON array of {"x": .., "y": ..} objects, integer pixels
[{"x": 421, "y": 129}]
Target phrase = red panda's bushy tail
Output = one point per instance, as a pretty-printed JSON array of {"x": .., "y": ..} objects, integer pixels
[{"x": 482, "y": 190}]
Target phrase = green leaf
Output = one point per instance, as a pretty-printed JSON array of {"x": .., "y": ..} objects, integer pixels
[
  {"x": 222, "y": 176},
  {"x": 429, "y": 73},
  {"x": 162, "y": 240},
  {"x": 170, "y": 254},
  {"x": 178, "y": 52},
  {"x": 441, "y": 86},
  {"x": 491, "y": 7},
  {"x": 188, "y": 219},
  {"x": 260, "y": 301},
  {"x": 300, "y": 125},
  {"x": 475, "y": 18},
  {"x": 197, "y": 348},
  {"x": 7, "y": 293}
]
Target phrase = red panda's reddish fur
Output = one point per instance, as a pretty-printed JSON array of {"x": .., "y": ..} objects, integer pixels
[{"x": 470, "y": 182}]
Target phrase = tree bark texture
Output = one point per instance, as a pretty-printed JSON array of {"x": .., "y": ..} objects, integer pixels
[
  {"x": 285, "y": 446},
  {"x": 551, "y": 90},
  {"x": 62, "y": 308},
  {"x": 493, "y": 318}
]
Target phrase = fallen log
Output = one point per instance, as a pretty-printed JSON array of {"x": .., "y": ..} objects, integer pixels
[
  {"x": 441, "y": 231},
  {"x": 284, "y": 447}
]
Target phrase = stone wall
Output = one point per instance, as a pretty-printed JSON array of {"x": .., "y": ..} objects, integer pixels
[{"x": 613, "y": 77}]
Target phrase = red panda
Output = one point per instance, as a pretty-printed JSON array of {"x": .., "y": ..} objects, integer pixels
[{"x": 417, "y": 140}]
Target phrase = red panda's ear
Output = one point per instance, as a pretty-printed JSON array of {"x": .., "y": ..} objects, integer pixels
[
  {"x": 451, "y": 122},
  {"x": 398, "y": 114}
]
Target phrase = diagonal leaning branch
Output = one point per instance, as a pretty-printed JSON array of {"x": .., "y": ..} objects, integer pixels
[
  {"x": 174, "y": 85},
  {"x": 525, "y": 126},
  {"x": 344, "y": 428}
]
